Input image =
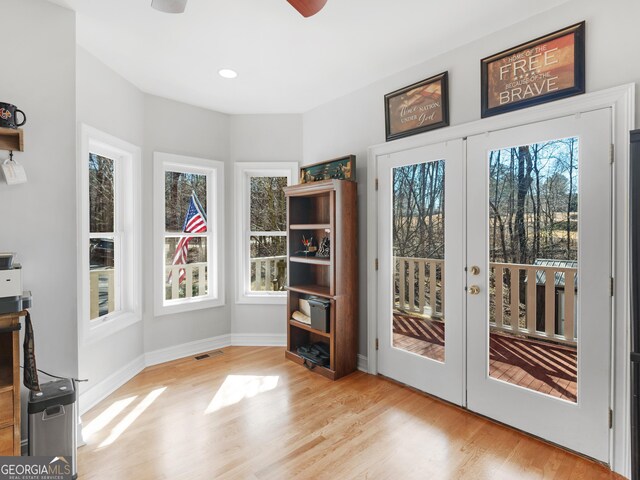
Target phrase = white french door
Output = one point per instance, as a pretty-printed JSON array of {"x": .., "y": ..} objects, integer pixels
[
  {"x": 563, "y": 302},
  {"x": 495, "y": 274},
  {"x": 421, "y": 249}
]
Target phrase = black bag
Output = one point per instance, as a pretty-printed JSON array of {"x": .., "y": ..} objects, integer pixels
[{"x": 315, "y": 354}]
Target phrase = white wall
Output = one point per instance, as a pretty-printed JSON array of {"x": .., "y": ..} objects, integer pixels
[
  {"x": 38, "y": 219},
  {"x": 354, "y": 122},
  {"x": 259, "y": 138},
  {"x": 174, "y": 127},
  {"x": 109, "y": 103}
]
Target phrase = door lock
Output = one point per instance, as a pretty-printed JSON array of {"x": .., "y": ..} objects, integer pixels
[
  {"x": 474, "y": 289},
  {"x": 475, "y": 270}
]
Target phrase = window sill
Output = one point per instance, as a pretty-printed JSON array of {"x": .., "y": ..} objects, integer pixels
[
  {"x": 262, "y": 299},
  {"x": 102, "y": 328},
  {"x": 188, "y": 306}
]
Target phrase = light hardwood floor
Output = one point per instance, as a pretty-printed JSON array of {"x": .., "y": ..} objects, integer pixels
[{"x": 251, "y": 414}]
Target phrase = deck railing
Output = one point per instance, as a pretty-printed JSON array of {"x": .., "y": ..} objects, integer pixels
[
  {"x": 419, "y": 286},
  {"x": 269, "y": 276},
  {"x": 101, "y": 281},
  {"x": 270, "y": 273},
  {"x": 523, "y": 289},
  {"x": 194, "y": 286}
]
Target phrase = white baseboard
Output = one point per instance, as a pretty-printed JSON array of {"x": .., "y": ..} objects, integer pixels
[
  {"x": 363, "y": 363},
  {"x": 100, "y": 391},
  {"x": 186, "y": 350},
  {"x": 258, "y": 340}
]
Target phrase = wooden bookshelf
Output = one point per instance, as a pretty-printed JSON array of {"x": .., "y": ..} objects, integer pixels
[{"x": 326, "y": 208}]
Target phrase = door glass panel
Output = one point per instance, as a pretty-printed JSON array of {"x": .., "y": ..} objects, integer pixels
[
  {"x": 533, "y": 274},
  {"x": 418, "y": 259}
]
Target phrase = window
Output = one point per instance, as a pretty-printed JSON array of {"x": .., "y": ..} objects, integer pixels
[
  {"x": 188, "y": 240},
  {"x": 261, "y": 210},
  {"x": 109, "y": 211}
]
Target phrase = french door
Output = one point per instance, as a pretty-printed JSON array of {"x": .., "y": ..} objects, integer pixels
[
  {"x": 421, "y": 280},
  {"x": 495, "y": 276},
  {"x": 544, "y": 307}
]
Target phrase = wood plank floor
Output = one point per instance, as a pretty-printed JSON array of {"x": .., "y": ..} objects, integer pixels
[
  {"x": 541, "y": 366},
  {"x": 251, "y": 414}
]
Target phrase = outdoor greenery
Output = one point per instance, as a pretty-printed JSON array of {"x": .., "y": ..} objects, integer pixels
[
  {"x": 268, "y": 213},
  {"x": 178, "y": 187},
  {"x": 418, "y": 210},
  {"x": 533, "y": 202},
  {"x": 101, "y": 194}
]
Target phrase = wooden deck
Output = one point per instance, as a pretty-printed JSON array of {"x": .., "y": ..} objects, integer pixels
[{"x": 537, "y": 365}]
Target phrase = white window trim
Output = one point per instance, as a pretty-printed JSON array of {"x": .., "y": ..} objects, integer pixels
[
  {"x": 244, "y": 170},
  {"x": 215, "y": 218},
  {"x": 128, "y": 160}
]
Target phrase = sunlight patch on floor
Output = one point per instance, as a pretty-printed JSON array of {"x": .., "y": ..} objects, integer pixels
[
  {"x": 132, "y": 416},
  {"x": 106, "y": 417},
  {"x": 238, "y": 387}
]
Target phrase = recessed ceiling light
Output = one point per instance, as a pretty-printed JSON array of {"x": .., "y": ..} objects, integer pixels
[{"x": 228, "y": 73}]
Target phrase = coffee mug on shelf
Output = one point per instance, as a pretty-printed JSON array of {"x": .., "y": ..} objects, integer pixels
[{"x": 8, "y": 114}]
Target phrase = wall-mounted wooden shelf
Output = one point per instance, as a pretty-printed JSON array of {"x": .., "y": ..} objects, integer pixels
[{"x": 11, "y": 139}]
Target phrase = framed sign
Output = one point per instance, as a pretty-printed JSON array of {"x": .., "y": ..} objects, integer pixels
[
  {"x": 417, "y": 108},
  {"x": 542, "y": 70},
  {"x": 343, "y": 168}
]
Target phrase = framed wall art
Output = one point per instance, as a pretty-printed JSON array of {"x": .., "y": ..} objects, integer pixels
[
  {"x": 343, "y": 168},
  {"x": 542, "y": 70},
  {"x": 417, "y": 108}
]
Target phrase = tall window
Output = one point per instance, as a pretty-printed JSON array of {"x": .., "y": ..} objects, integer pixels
[
  {"x": 188, "y": 227},
  {"x": 261, "y": 232},
  {"x": 109, "y": 213},
  {"x": 104, "y": 237}
]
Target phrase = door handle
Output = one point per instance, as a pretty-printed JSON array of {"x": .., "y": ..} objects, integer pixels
[
  {"x": 475, "y": 270},
  {"x": 474, "y": 289}
]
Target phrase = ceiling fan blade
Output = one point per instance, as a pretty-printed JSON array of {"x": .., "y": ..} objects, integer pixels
[
  {"x": 307, "y": 8},
  {"x": 169, "y": 6}
]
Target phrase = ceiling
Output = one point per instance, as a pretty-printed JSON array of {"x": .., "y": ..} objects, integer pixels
[{"x": 286, "y": 63}]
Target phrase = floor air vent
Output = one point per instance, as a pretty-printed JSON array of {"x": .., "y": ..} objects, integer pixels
[{"x": 213, "y": 353}]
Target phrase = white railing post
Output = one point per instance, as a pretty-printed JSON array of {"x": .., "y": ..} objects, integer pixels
[
  {"x": 515, "y": 298},
  {"x": 94, "y": 294},
  {"x": 422, "y": 300},
  {"x": 499, "y": 295},
  {"x": 532, "y": 308}
]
